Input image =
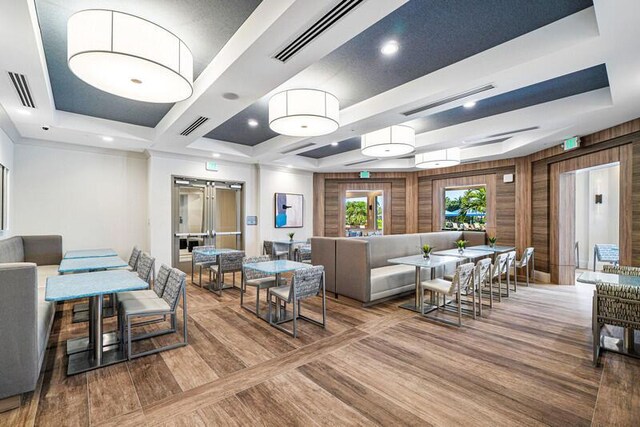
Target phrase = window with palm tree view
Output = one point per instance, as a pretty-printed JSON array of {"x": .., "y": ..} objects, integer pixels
[
  {"x": 363, "y": 213},
  {"x": 465, "y": 208}
]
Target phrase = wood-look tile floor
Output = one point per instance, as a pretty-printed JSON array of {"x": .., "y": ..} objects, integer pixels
[{"x": 528, "y": 362}]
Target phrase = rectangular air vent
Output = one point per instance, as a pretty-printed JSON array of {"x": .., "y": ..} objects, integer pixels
[
  {"x": 314, "y": 31},
  {"x": 450, "y": 99},
  {"x": 299, "y": 147},
  {"x": 495, "y": 135},
  {"x": 482, "y": 143},
  {"x": 361, "y": 162},
  {"x": 195, "y": 125},
  {"x": 22, "y": 88}
]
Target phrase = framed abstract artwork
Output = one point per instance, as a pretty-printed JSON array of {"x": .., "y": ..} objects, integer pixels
[{"x": 289, "y": 212}]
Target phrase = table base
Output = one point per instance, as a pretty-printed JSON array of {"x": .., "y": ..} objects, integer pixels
[
  {"x": 428, "y": 308},
  {"x": 284, "y": 317},
  {"x": 83, "y": 316},
  {"x": 83, "y": 362},
  {"x": 79, "y": 345}
]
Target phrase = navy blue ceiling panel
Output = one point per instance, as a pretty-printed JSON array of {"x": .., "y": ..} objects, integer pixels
[
  {"x": 550, "y": 90},
  {"x": 432, "y": 34},
  {"x": 328, "y": 150},
  {"x": 571, "y": 84},
  {"x": 245, "y": 134},
  {"x": 204, "y": 25}
]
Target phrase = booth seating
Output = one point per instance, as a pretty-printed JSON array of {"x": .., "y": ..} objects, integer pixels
[
  {"x": 25, "y": 316},
  {"x": 361, "y": 266}
]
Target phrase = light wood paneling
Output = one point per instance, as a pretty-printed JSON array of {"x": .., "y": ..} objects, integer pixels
[
  {"x": 385, "y": 187},
  {"x": 522, "y": 213}
]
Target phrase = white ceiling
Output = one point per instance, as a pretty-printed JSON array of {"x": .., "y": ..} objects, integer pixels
[{"x": 606, "y": 33}]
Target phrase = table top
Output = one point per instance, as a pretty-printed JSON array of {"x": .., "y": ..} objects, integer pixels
[
  {"x": 74, "y": 286},
  {"x": 214, "y": 252},
  {"x": 594, "y": 277},
  {"x": 75, "y": 265},
  {"x": 420, "y": 261},
  {"x": 289, "y": 242},
  {"x": 90, "y": 253},
  {"x": 496, "y": 248},
  {"x": 468, "y": 253},
  {"x": 276, "y": 267}
]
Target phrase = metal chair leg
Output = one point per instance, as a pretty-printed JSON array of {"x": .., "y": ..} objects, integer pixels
[{"x": 295, "y": 318}]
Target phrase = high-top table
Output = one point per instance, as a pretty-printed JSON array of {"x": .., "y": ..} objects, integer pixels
[
  {"x": 97, "y": 349},
  {"x": 275, "y": 268},
  {"x": 216, "y": 252},
  {"x": 90, "y": 253},
  {"x": 420, "y": 262}
]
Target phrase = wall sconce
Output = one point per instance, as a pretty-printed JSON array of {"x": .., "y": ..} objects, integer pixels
[{"x": 598, "y": 199}]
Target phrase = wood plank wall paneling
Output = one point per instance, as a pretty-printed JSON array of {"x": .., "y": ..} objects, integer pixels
[
  {"x": 318, "y": 205},
  {"x": 523, "y": 204},
  {"x": 635, "y": 206}
]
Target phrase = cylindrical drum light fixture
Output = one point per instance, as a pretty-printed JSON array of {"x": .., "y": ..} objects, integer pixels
[
  {"x": 129, "y": 56},
  {"x": 389, "y": 142},
  {"x": 304, "y": 112},
  {"x": 438, "y": 159}
]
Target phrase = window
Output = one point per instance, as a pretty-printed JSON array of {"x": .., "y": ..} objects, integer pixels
[
  {"x": 465, "y": 208},
  {"x": 363, "y": 213}
]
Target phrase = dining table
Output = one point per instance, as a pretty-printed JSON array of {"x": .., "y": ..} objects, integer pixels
[
  {"x": 290, "y": 244},
  {"x": 470, "y": 254},
  {"x": 275, "y": 268},
  {"x": 217, "y": 253},
  {"x": 97, "y": 349},
  {"x": 420, "y": 262},
  {"x": 90, "y": 253}
]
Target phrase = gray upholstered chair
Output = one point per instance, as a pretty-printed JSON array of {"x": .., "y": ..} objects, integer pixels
[
  {"x": 156, "y": 292},
  {"x": 616, "y": 305},
  {"x": 255, "y": 279},
  {"x": 271, "y": 248},
  {"x": 302, "y": 253},
  {"x": 153, "y": 307},
  {"x": 499, "y": 268},
  {"x": 201, "y": 261},
  {"x": 146, "y": 267},
  {"x": 229, "y": 263},
  {"x": 133, "y": 258},
  {"x": 305, "y": 283},
  {"x": 483, "y": 279},
  {"x": 524, "y": 262},
  {"x": 462, "y": 285}
]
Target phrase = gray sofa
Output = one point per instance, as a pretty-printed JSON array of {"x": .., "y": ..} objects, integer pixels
[
  {"x": 25, "y": 317},
  {"x": 361, "y": 268}
]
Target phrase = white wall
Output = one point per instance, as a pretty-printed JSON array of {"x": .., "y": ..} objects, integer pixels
[
  {"x": 273, "y": 180},
  {"x": 7, "y": 160},
  {"x": 93, "y": 198},
  {"x": 597, "y": 223}
]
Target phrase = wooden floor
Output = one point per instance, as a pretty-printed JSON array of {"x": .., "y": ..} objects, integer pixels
[{"x": 527, "y": 362}]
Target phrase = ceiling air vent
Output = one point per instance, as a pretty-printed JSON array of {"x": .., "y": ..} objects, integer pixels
[
  {"x": 482, "y": 143},
  {"x": 22, "y": 88},
  {"x": 195, "y": 125},
  {"x": 320, "y": 26},
  {"x": 296, "y": 148},
  {"x": 513, "y": 131},
  {"x": 361, "y": 162},
  {"x": 449, "y": 99}
]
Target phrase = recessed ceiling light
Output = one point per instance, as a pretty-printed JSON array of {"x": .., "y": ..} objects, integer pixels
[
  {"x": 215, "y": 155},
  {"x": 24, "y": 112},
  {"x": 469, "y": 104},
  {"x": 334, "y": 144},
  {"x": 252, "y": 122},
  {"x": 390, "y": 47},
  {"x": 107, "y": 138},
  {"x": 230, "y": 96}
]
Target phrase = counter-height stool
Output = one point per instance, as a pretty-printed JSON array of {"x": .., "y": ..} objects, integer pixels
[
  {"x": 271, "y": 248},
  {"x": 524, "y": 262},
  {"x": 153, "y": 307},
  {"x": 201, "y": 260},
  {"x": 256, "y": 279},
  {"x": 305, "y": 283},
  {"x": 462, "y": 284},
  {"x": 230, "y": 262}
]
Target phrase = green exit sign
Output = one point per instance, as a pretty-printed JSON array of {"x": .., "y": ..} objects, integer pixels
[
  {"x": 211, "y": 166},
  {"x": 571, "y": 143},
  {"x": 365, "y": 174}
]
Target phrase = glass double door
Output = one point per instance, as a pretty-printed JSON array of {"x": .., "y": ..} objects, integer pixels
[{"x": 204, "y": 213}]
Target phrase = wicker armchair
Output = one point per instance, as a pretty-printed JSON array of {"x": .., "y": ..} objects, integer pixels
[{"x": 624, "y": 270}]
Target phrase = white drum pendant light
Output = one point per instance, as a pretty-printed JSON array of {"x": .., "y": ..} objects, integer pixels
[
  {"x": 438, "y": 159},
  {"x": 389, "y": 142},
  {"x": 129, "y": 56},
  {"x": 304, "y": 112}
]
